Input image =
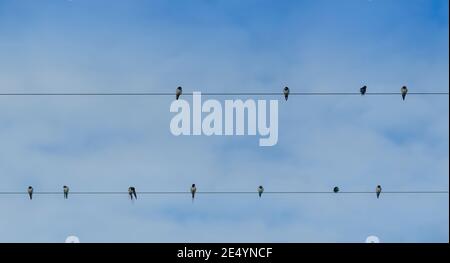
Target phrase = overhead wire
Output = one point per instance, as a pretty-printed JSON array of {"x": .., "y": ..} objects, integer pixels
[
  {"x": 212, "y": 93},
  {"x": 221, "y": 192}
]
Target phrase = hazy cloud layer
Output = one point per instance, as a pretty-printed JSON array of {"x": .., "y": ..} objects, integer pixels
[{"x": 110, "y": 143}]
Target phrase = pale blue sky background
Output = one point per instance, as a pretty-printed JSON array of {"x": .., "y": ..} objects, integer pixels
[{"x": 110, "y": 143}]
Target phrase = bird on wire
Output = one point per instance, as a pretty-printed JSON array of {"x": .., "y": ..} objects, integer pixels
[
  {"x": 286, "y": 93},
  {"x": 30, "y": 192},
  {"x": 193, "y": 191},
  {"x": 363, "y": 90},
  {"x": 404, "y": 91},
  {"x": 178, "y": 92},
  {"x": 66, "y": 191},
  {"x": 132, "y": 192},
  {"x": 260, "y": 190},
  {"x": 378, "y": 191}
]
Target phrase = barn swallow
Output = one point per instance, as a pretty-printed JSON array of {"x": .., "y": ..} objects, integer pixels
[
  {"x": 193, "y": 190},
  {"x": 363, "y": 90},
  {"x": 404, "y": 91},
  {"x": 66, "y": 191},
  {"x": 286, "y": 92},
  {"x": 178, "y": 92},
  {"x": 30, "y": 192},
  {"x": 132, "y": 192},
  {"x": 378, "y": 191},
  {"x": 260, "y": 190},
  {"x": 336, "y": 189}
]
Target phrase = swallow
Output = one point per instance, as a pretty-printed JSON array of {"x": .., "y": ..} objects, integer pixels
[
  {"x": 66, "y": 191},
  {"x": 363, "y": 90},
  {"x": 286, "y": 92},
  {"x": 336, "y": 189},
  {"x": 404, "y": 91},
  {"x": 378, "y": 191},
  {"x": 30, "y": 192},
  {"x": 193, "y": 190},
  {"x": 178, "y": 92},
  {"x": 132, "y": 192},
  {"x": 260, "y": 190}
]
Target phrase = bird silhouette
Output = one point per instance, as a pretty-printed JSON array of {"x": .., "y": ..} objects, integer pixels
[
  {"x": 286, "y": 93},
  {"x": 378, "y": 191},
  {"x": 178, "y": 92},
  {"x": 363, "y": 90},
  {"x": 260, "y": 190},
  {"x": 66, "y": 191},
  {"x": 193, "y": 190},
  {"x": 30, "y": 192},
  {"x": 404, "y": 91},
  {"x": 132, "y": 192}
]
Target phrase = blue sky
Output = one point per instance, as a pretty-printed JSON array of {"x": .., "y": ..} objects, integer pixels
[{"x": 110, "y": 143}]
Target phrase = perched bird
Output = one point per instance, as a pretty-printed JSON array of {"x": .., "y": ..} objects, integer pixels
[
  {"x": 193, "y": 190},
  {"x": 363, "y": 90},
  {"x": 336, "y": 189},
  {"x": 404, "y": 91},
  {"x": 286, "y": 92},
  {"x": 178, "y": 92},
  {"x": 30, "y": 192},
  {"x": 66, "y": 191},
  {"x": 260, "y": 190},
  {"x": 132, "y": 192},
  {"x": 378, "y": 190}
]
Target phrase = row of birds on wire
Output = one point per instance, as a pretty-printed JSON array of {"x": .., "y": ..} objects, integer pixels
[
  {"x": 132, "y": 190},
  {"x": 286, "y": 91},
  {"x": 133, "y": 194}
]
